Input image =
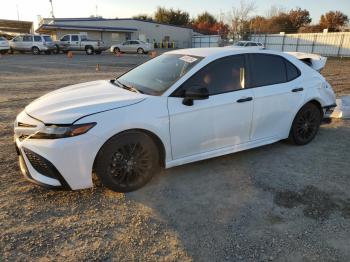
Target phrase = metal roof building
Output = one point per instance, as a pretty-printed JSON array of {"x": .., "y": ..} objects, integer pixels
[
  {"x": 113, "y": 31},
  {"x": 12, "y": 27}
]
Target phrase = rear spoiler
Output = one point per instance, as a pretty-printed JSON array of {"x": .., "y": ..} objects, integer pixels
[{"x": 316, "y": 62}]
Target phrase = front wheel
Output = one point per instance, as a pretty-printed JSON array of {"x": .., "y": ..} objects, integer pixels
[
  {"x": 305, "y": 124},
  {"x": 127, "y": 161},
  {"x": 116, "y": 50},
  {"x": 35, "y": 50},
  {"x": 140, "y": 51},
  {"x": 89, "y": 50}
]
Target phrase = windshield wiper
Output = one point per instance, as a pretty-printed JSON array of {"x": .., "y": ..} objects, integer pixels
[{"x": 130, "y": 88}]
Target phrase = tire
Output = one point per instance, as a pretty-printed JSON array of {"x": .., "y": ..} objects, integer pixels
[
  {"x": 3, "y": 52},
  {"x": 47, "y": 52},
  {"x": 56, "y": 50},
  {"x": 35, "y": 50},
  {"x": 98, "y": 52},
  {"x": 127, "y": 161},
  {"x": 140, "y": 51},
  {"x": 10, "y": 51},
  {"x": 116, "y": 50},
  {"x": 89, "y": 50},
  {"x": 305, "y": 124}
]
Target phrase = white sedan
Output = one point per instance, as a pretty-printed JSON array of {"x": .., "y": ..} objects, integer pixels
[
  {"x": 4, "y": 45},
  {"x": 132, "y": 46},
  {"x": 180, "y": 107}
]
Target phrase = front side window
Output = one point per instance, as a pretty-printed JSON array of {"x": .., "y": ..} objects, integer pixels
[
  {"x": 157, "y": 75},
  {"x": 267, "y": 70},
  {"x": 37, "y": 38},
  {"x": 221, "y": 76},
  {"x": 75, "y": 38},
  {"x": 27, "y": 38}
]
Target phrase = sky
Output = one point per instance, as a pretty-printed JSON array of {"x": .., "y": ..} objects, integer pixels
[{"x": 30, "y": 9}]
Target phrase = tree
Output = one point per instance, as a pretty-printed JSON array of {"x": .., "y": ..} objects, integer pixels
[
  {"x": 239, "y": 18},
  {"x": 205, "y": 18},
  {"x": 299, "y": 18},
  {"x": 145, "y": 17},
  {"x": 333, "y": 20},
  {"x": 172, "y": 16}
]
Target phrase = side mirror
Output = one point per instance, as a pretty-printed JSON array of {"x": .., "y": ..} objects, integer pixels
[{"x": 195, "y": 93}]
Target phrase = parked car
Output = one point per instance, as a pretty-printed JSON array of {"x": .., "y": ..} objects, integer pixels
[
  {"x": 180, "y": 107},
  {"x": 32, "y": 43},
  {"x": 4, "y": 45},
  {"x": 132, "y": 46},
  {"x": 78, "y": 42},
  {"x": 249, "y": 44}
]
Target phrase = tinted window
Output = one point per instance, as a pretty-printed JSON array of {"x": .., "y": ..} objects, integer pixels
[
  {"x": 75, "y": 38},
  {"x": 292, "y": 71},
  {"x": 47, "y": 38},
  {"x": 65, "y": 38},
  {"x": 27, "y": 38},
  {"x": 267, "y": 70},
  {"x": 37, "y": 38},
  {"x": 2, "y": 38},
  {"x": 221, "y": 76}
]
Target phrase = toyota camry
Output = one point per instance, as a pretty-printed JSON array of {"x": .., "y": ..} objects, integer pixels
[{"x": 180, "y": 107}]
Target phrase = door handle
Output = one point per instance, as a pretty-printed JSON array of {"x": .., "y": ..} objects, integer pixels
[
  {"x": 297, "y": 89},
  {"x": 246, "y": 99}
]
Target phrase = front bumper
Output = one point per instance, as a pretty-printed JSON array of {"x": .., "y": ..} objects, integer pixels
[
  {"x": 328, "y": 110},
  {"x": 59, "y": 163}
]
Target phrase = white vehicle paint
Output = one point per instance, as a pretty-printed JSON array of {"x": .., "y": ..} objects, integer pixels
[
  {"x": 132, "y": 46},
  {"x": 4, "y": 45},
  {"x": 248, "y": 44},
  {"x": 70, "y": 129},
  {"x": 32, "y": 43}
]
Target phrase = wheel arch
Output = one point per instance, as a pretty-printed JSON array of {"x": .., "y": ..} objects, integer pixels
[{"x": 156, "y": 139}]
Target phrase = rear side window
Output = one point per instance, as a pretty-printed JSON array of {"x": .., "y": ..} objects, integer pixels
[
  {"x": 267, "y": 70},
  {"x": 37, "y": 38},
  {"x": 292, "y": 71}
]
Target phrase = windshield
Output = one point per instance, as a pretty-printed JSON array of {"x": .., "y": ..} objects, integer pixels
[
  {"x": 157, "y": 75},
  {"x": 239, "y": 44},
  {"x": 47, "y": 38}
]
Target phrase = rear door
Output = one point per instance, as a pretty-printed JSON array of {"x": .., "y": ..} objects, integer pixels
[{"x": 278, "y": 91}]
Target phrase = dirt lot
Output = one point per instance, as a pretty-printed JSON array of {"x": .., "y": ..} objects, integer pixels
[{"x": 274, "y": 203}]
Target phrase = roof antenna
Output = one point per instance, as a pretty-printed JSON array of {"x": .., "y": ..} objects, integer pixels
[{"x": 52, "y": 14}]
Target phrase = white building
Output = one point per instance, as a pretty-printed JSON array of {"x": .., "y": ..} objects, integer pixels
[{"x": 113, "y": 31}]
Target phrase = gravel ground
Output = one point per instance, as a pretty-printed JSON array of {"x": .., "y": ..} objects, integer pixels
[{"x": 275, "y": 203}]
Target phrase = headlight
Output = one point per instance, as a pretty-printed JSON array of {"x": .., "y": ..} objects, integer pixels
[{"x": 61, "y": 131}]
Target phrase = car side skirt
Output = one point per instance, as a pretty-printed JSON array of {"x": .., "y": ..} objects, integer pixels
[{"x": 223, "y": 151}]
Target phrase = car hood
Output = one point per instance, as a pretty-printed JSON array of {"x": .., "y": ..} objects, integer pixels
[{"x": 66, "y": 105}]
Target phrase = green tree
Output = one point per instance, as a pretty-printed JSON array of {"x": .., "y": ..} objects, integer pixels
[
  {"x": 145, "y": 17},
  {"x": 172, "y": 16}
]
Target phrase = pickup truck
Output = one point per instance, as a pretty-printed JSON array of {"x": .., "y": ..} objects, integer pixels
[{"x": 76, "y": 42}]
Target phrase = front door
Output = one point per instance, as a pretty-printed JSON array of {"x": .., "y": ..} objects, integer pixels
[{"x": 221, "y": 121}]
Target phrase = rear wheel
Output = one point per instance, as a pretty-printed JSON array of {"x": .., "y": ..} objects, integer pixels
[
  {"x": 127, "y": 161},
  {"x": 89, "y": 50},
  {"x": 116, "y": 50},
  {"x": 305, "y": 125},
  {"x": 35, "y": 50},
  {"x": 56, "y": 50}
]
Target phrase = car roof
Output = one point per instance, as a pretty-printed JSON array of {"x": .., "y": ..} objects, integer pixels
[{"x": 220, "y": 51}]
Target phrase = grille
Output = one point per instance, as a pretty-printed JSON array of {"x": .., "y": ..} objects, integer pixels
[{"x": 40, "y": 164}]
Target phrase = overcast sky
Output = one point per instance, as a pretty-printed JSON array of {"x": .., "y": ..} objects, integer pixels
[{"x": 31, "y": 9}]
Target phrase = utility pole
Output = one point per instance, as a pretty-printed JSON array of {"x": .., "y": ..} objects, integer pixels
[
  {"x": 52, "y": 13},
  {"x": 96, "y": 11},
  {"x": 17, "y": 12}
]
